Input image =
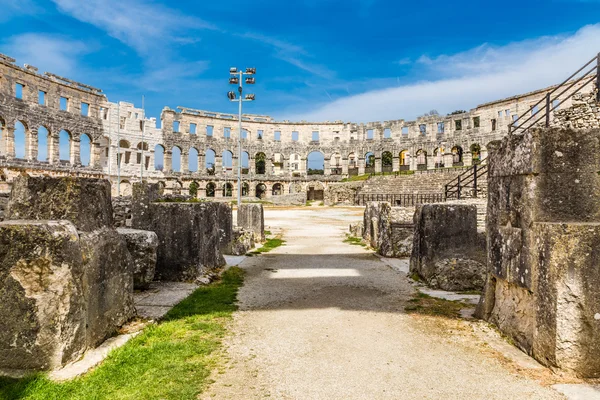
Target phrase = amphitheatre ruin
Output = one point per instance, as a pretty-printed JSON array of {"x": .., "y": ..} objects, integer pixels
[{"x": 400, "y": 249}]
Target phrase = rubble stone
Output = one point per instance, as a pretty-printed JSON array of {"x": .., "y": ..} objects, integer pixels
[{"x": 142, "y": 246}]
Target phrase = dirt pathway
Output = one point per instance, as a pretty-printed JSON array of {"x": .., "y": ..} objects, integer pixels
[{"x": 322, "y": 319}]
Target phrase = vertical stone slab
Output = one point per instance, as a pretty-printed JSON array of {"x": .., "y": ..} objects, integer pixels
[
  {"x": 142, "y": 246},
  {"x": 42, "y": 305},
  {"x": 252, "y": 217}
]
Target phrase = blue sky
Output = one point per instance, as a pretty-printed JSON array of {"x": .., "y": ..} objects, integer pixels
[{"x": 354, "y": 60}]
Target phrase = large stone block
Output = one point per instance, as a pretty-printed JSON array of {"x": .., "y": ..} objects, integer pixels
[
  {"x": 448, "y": 253},
  {"x": 85, "y": 202},
  {"x": 252, "y": 217},
  {"x": 142, "y": 246},
  {"x": 241, "y": 242},
  {"x": 190, "y": 237},
  {"x": 42, "y": 304},
  {"x": 107, "y": 282}
]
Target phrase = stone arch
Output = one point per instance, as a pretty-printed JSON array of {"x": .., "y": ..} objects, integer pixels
[
  {"x": 261, "y": 191},
  {"x": 159, "y": 157},
  {"x": 245, "y": 162},
  {"x": 176, "y": 159},
  {"x": 43, "y": 143},
  {"x": 387, "y": 161},
  {"x": 403, "y": 158},
  {"x": 245, "y": 189},
  {"x": 142, "y": 146},
  {"x": 370, "y": 161},
  {"x": 421, "y": 156},
  {"x": 125, "y": 188},
  {"x": 295, "y": 187},
  {"x": 295, "y": 162},
  {"x": 457, "y": 155},
  {"x": 193, "y": 160},
  {"x": 210, "y": 161},
  {"x": 193, "y": 189},
  {"x": 277, "y": 189},
  {"x": 315, "y": 191},
  {"x": 210, "y": 189},
  {"x": 260, "y": 163},
  {"x": 476, "y": 153},
  {"x": 85, "y": 149},
  {"x": 124, "y": 144},
  {"x": 227, "y": 160},
  {"x": 161, "y": 187},
  {"x": 65, "y": 144},
  {"x": 20, "y": 139},
  {"x": 315, "y": 163},
  {"x": 438, "y": 155},
  {"x": 176, "y": 188},
  {"x": 227, "y": 189},
  {"x": 278, "y": 163}
]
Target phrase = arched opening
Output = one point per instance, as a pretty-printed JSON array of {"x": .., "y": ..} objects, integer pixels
[
  {"x": 352, "y": 164},
  {"x": 277, "y": 189},
  {"x": 85, "y": 150},
  {"x": 438, "y": 155},
  {"x": 193, "y": 160},
  {"x": 245, "y": 189},
  {"x": 176, "y": 187},
  {"x": 193, "y": 189},
  {"x": 42, "y": 144},
  {"x": 476, "y": 153},
  {"x": 261, "y": 191},
  {"x": 335, "y": 164},
  {"x": 210, "y": 189},
  {"x": 161, "y": 187},
  {"x": 159, "y": 157},
  {"x": 315, "y": 163},
  {"x": 260, "y": 162},
  {"x": 421, "y": 159},
  {"x": 209, "y": 161},
  {"x": 387, "y": 161},
  {"x": 176, "y": 159},
  {"x": 227, "y": 190},
  {"x": 369, "y": 163},
  {"x": 278, "y": 163},
  {"x": 20, "y": 140},
  {"x": 245, "y": 162},
  {"x": 457, "y": 156},
  {"x": 227, "y": 158},
  {"x": 295, "y": 188},
  {"x": 403, "y": 160},
  {"x": 295, "y": 164},
  {"x": 64, "y": 146},
  {"x": 125, "y": 188}
]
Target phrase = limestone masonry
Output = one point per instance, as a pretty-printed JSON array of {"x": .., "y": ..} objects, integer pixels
[{"x": 48, "y": 110}]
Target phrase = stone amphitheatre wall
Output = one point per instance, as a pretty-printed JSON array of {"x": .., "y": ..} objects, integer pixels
[{"x": 204, "y": 144}]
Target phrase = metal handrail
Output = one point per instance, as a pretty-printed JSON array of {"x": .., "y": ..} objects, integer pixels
[{"x": 515, "y": 125}]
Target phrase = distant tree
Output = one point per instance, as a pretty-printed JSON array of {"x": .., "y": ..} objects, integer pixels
[
  {"x": 194, "y": 189},
  {"x": 457, "y": 112},
  {"x": 387, "y": 159}
]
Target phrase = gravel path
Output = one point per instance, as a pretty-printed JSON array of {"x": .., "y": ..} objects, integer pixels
[{"x": 322, "y": 319}]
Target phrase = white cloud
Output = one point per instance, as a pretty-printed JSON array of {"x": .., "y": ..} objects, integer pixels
[
  {"x": 469, "y": 78},
  {"x": 51, "y": 53},
  {"x": 141, "y": 25},
  {"x": 12, "y": 8}
]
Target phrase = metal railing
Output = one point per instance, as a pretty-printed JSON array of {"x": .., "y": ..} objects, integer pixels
[
  {"x": 403, "y": 200},
  {"x": 583, "y": 76},
  {"x": 466, "y": 184}
]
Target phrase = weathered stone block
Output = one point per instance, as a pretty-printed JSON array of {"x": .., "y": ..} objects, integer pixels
[
  {"x": 567, "y": 307},
  {"x": 107, "y": 282},
  {"x": 42, "y": 304},
  {"x": 356, "y": 230},
  {"x": 241, "y": 243},
  {"x": 190, "y": 238},
  {"x": 252, "y": 218},
  {"x": 85, "y": 202},
  {"x": 142, "y": 246},
  {"x": 448, "y": 253}
]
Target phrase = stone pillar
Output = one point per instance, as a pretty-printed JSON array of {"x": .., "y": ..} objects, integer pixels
[
  {"x": 448, "y": 160},
  {"x": 218, "y": 164},
  {"x": 252, "y": 165},
  {"x": 430, "y": 161},
  {"x": 396, "y": 163},
  {"x": 96, "y": 155},
  {"x": 344, "y": 166},
  {"x": 327, "y": 167},
  {"x": 378, "y": 163},
  {"x": 75, "y": 156},
  {"x": 201, "y": 163},
  {"x": 184, "y": 167},
  {"x": 53, "y": 149},
  {"x": 467, "y": 158},
  {"x": 361, "y": 165},
  {"x": 168, "y": 161},
  {"x": 32, "y": 147},
  {"x": 9, "y": 142}
]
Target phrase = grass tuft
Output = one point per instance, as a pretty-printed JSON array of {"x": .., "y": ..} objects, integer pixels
[
  {"x": 354, "y": 240},
  {"x": 269, "y": 245},
  {"x": 169, "y": 360},
  {"x": 424, "y": 304}
]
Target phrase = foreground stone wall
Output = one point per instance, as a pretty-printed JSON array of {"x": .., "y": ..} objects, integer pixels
[
  {"x": 543, "y": 227},
  {"x": 387, "y": 229},
  {"x": 447, "y": 252},
  {"x": 252, "y": 218},
  {"x": 70, "y": 278}
]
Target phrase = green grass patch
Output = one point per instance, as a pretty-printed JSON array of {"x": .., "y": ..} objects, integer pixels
[
  {"x": 424, "y": 304},
  {"x": 169, "y": 360},
  {"x": 268, "y": 233},
  {"x": 269, "y": 245},
  {"x": 354, "y": 240}
]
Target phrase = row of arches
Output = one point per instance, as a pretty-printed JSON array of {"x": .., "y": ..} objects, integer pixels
[
  {"x": 227, "y": 189},
  {"x": 42, "y": 146}
]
